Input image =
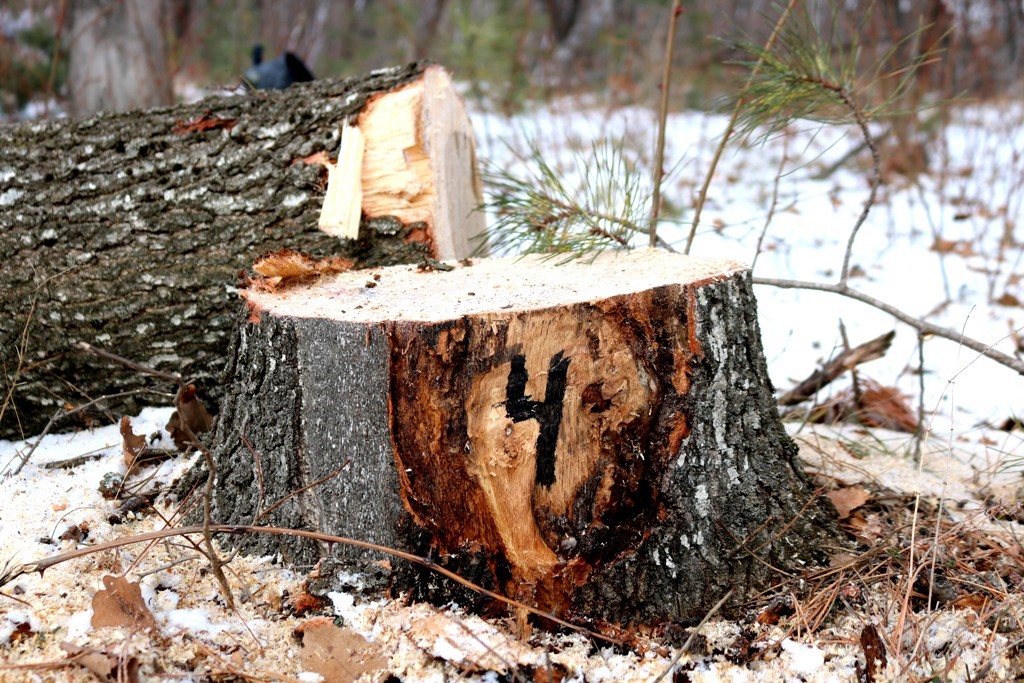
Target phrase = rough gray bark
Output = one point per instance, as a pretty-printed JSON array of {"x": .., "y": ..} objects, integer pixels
[
  {"x": 698, "y": 492},
  {"x": 128, "y": 231},
  {"x": 740, "y": 503}
]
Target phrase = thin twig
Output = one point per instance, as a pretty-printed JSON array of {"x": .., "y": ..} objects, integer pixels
[
  {"x": 732, "y": 125},
  {"x": 307, "y": 487},
  {"x": 45, "y": 563},
  {"x": 926, "y": 328},
  {"x": 876, "y": 175},
  {"x": 775, "y": 199},
  {"x": 59, "y": 415},
  {"x": 22, "y": 349},
  {"x": 659, "y": 153},
  {"x": 854, "y": 379},
  {"x": 132, "y": 365},
  {"x": 216, "y": 563},
  {"x": 919, "y": 436},
  {"x": 693, "y": 634}
]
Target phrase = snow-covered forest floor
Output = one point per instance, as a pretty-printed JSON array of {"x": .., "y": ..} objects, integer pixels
[{"x": 944, "y": 245}]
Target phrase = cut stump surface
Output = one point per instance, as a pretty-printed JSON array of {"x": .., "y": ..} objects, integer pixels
[{"x": 599, "y": 440}]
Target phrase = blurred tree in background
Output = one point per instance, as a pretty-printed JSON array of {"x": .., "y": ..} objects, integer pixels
[{"x": 507, "y": 50}]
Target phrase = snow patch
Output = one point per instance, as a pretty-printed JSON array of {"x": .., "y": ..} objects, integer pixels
[
  {"x": 192, "y": 619},
  {"x": 805, "y": 658}
]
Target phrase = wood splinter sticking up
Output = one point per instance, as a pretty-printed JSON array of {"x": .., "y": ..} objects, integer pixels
[
  {"x": 409, "y": 155},
  {"x": 597, "y": 440}
]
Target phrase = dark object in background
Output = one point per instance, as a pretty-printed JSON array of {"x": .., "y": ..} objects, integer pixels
[{"x": 276, "y": 74}]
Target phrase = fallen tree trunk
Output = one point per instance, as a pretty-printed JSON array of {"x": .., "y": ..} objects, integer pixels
[
  {"x": 598, "y": 440},
  {"x": 128, "y": 231}
]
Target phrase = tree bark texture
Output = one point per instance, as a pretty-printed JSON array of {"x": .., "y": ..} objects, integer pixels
[
  {"x": 612, "y": 453},
  {"x": 128, "y": 231}
]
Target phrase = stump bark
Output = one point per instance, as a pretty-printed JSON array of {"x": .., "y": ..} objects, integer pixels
[
  {"x": 598, "y": 440},
  {"x": 128, "y": 231}
]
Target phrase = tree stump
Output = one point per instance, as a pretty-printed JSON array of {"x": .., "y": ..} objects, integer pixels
[
  {"x": 599, "y": 440},
  {"x": 128, "y": 231}
]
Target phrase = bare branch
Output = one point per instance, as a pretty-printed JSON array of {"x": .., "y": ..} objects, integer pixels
[
  {"x": 732, "y": 126},
  {"x": 926, "y": 328},
  {"x": 847, "y": 360},
  {"x": 659, "y": 155}
]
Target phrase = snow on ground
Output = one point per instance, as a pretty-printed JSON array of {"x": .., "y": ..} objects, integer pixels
[
  {"x": 972, "y": 197},
  {"x": 419, "y": 642}
]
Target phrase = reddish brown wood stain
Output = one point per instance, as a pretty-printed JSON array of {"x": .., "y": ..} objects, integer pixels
[{"x": 466, "y": 468}]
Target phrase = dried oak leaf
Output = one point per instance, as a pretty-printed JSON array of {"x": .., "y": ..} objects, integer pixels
[
  {"x": 1008, "y": 299},
  {"x": 876, "y": 406},
  {"x": 120, "y": 603},
  {"x": 105, "y": 666},
  {"x": 189, "y": 418},
  {"x": 975, "y": 601},
  {"x": 340, "y": 655},
  {"x": 959, "y": 247},
  {"x": 22, "y": 631},
  {"x": 132, "y": 444},
  {"x": 874, "y": 654},
  {"x": 886, "y": 407},
  {"x": 848, "y": 499},
  {"x": 304, "y": 601}
]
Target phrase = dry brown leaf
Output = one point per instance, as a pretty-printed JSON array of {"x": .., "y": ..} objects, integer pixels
[
  {"x": 848, "y": 499},
  {"x": 960, "y": 247},
  {"x": 876, "y": 406},
  {"x": 303, "y": 601},
  {"x": 132, "y": 444},
  {"x": 975, "y": 601},
  {"x": 886, "y": 407},
  {"x": 842, "y": 559},
  {"x": 105, "y": 666},
  {"x": 340, "y": 655},
  {"x": 874, "y": 653},
  {"x": 120, "y": 603},
  {"x": 189, "y": 418},
  {"x": 1008, "y": 299}
]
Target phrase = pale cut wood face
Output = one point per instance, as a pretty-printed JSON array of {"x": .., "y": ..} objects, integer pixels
[{"x": 494, "y": 285}]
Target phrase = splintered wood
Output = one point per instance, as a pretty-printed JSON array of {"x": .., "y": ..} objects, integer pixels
[{"x": 409, "y": 155}]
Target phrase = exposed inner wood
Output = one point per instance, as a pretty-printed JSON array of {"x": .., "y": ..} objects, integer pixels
[
  {"x": 343, "y": 204},
  {"x": 447, "y": 137},
  {"x": 397, "y": 175},
  {"x": 410, "y": 155},
  {"x": 531, "y": 453}
]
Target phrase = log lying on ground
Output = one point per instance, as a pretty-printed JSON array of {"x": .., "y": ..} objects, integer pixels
[
  {"x": 599, "y": 440},
  {"x": 128, "y": 231}
]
